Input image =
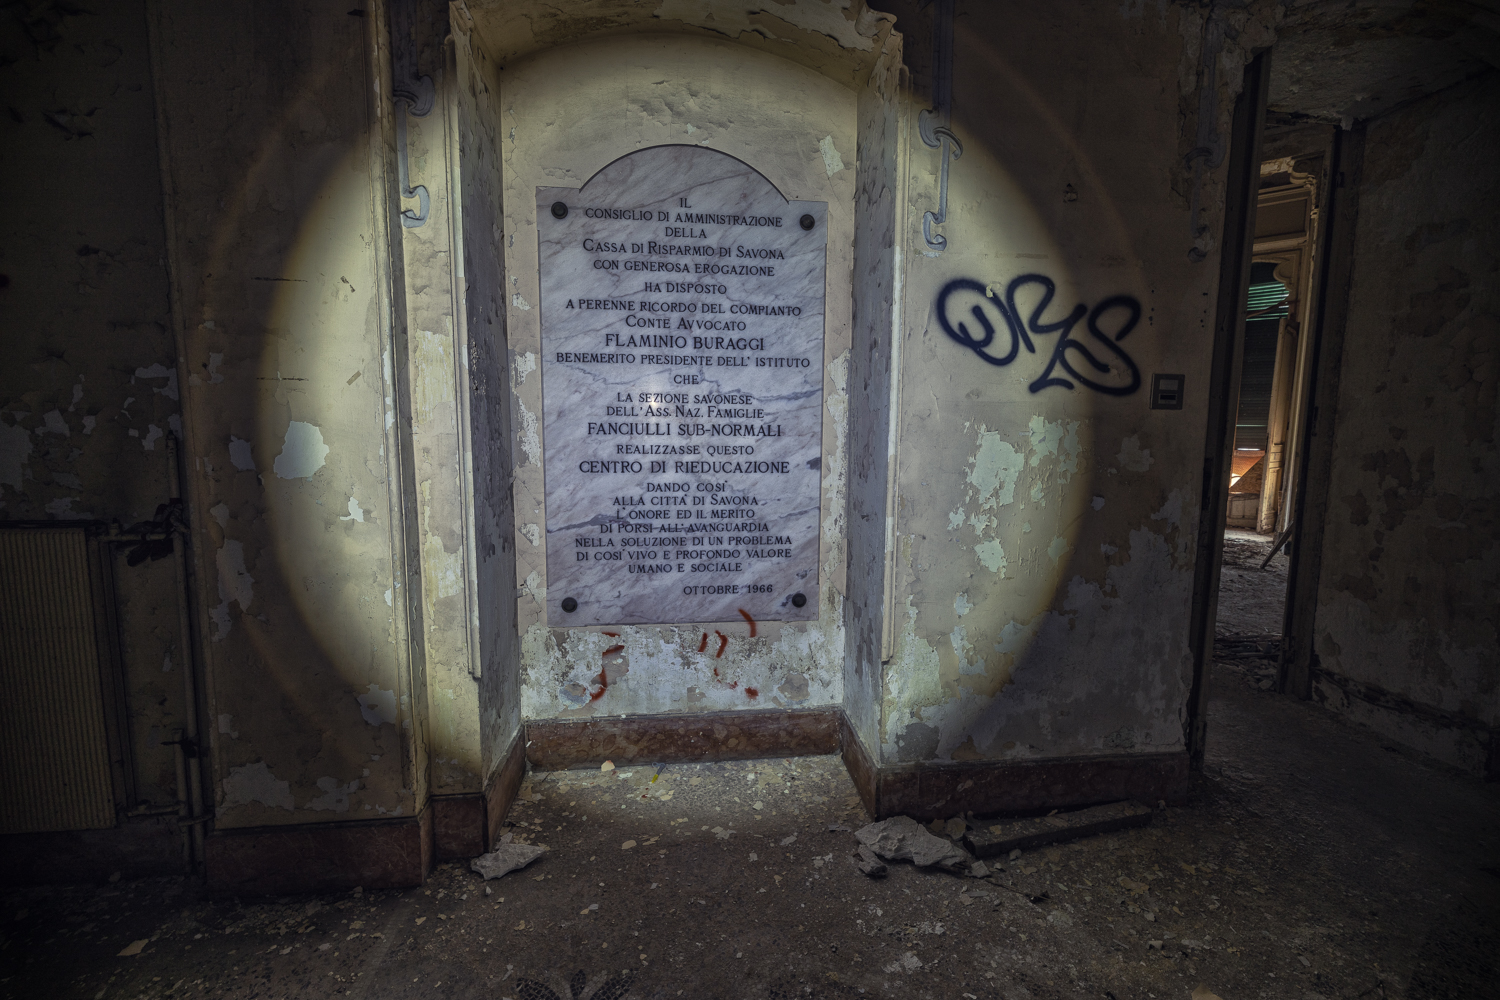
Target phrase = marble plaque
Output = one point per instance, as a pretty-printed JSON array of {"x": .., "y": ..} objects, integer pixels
[{"x": 682, "y": 393}]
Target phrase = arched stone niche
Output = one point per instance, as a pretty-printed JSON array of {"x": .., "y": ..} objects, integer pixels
[{"x": 812, "y": 106}]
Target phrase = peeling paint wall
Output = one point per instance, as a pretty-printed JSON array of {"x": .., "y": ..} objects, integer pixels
[
  {"x": 565, "y": 113},
  {"x": 1045, "y": 517},
  {"x": 1406, "y": 622},
  {"x": 276, "y": 140},
  {"x": 89, "y": 390},
  {"x": 438, "y": 381}
]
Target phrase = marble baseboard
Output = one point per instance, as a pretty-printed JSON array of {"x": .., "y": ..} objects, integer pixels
[
  {"x": 319, "y": 857},
  {"x": 554, "y": 745}
]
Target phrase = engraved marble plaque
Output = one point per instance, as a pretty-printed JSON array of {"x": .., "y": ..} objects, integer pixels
[{"x": 682, "y": 392}]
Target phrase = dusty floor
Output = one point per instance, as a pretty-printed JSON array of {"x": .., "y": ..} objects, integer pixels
[
  {"x": 1251, "y": 600},
  {"x": 1313, "y": 861}
]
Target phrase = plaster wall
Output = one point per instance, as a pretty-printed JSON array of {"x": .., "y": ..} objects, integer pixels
[
  {"x": 289, "y": 305},
  {"x": 1045, "y": 519},
  {"x": 1406, "y": 611},
  {"x": 565, "y": 113},
  {"x": 89, "y": 393}
]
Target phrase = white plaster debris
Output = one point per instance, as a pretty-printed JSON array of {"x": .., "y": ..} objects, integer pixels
[
  {"x": 378, "y": 705},
  {"x": 226, "y": 726},
  {"x": 15, "y": 446},
  {"x": 302, "y": 453},
  {"x": 356, "y": 513},
  {"x": 832, "y": 161},
  {"x": 255, "y": 783},
  {"x": 239, "y": 454},
  {"x": 1132, "y": 456},
  {"x": 519, "y": 303},
  {"x": 335, "y": 797},
  {"x": 220, "y": 511},
  {"x": 161, "y": 371}
]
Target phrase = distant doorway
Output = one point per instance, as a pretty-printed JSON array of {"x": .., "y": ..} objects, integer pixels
[{"x": 1275, "y": 375}]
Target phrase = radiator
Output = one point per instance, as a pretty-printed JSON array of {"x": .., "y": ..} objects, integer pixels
[{"x": 56, "y": 767}]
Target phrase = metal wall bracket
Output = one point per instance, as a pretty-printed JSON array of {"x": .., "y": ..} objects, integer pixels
[
  {"x": 933, "y": 123},
  {"x": 413, "y": 94}
]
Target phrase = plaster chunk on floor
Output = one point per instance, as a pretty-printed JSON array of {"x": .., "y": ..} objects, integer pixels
[{"x": 506, "y": 858}]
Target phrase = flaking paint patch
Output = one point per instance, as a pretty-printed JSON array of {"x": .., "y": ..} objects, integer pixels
[
  {"x": 732, "y": 17},
  {"x": 991, "y": 555},
  {"x": 160, "y": 371},
  {"x": 532, "y": 532},
  {"x": 15, "y": 447},
  {"x": 356, "y": 513},
  {"x": 1132, "y": 456},
  {"x": 531, "y": 442},
  {"x": 1058, "y": 439},
  {"x": 335, "y": 797},
  {"x": 996, "y": 466},
  {"x": 240, "y": 455},
  {"x": 961, "y": 604},
  {"x": 832, "y": 161},
  {"x": 524, "y": 365},
  {"x": 235, "y": 582},
  {"x": 378, "y": 706},
  {"x": 220, "y": 511},
  {"x": 302, "y": 452},
  {"x": 251, "y": 783}
]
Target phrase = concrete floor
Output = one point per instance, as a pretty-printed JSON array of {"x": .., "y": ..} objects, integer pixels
[{"x": 1313, "y": 861}]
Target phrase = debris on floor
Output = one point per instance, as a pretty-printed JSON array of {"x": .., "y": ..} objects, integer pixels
[
  {"x": 1006, "y": 836},
  {"x": 869, "y": 863},
  {"x": 902, "y": 838},
  {"x": 506, "y": 858}
]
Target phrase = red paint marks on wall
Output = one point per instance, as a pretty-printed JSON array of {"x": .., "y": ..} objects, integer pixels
[
  {"x": 723, "y": 642},
  {"x": 600, "y": 683},
  {"x": 747, "y": 618},
  {"x": 704, "y": 644},
  {"x": 752, "y": 692}
]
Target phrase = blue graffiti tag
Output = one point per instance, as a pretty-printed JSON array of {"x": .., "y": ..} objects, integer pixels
[{"x": 1068, "y": 348}]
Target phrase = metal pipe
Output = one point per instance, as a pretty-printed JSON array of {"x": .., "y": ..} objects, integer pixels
[
  {"x": 188, "y": 747},
  {"x": 183, "y": 806}
]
